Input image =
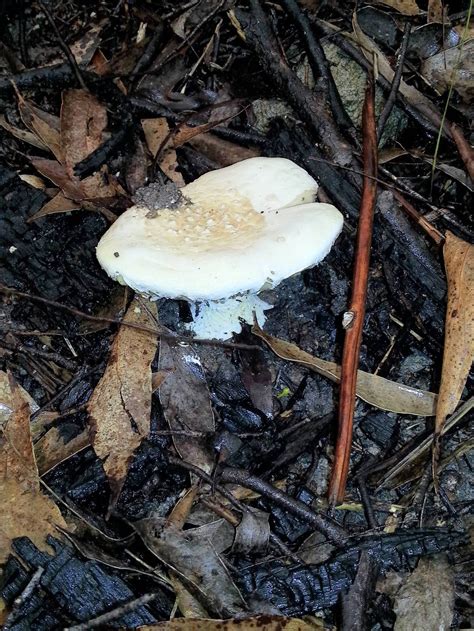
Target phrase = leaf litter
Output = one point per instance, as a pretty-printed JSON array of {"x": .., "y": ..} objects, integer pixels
[
  {"x": 378, "y": 391},
  {"x": 26, "y": 510},
  {"x": 120, "y": 406}
]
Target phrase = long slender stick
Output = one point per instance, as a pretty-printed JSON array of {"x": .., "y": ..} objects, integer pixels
[{"x": 356, "y": 313}]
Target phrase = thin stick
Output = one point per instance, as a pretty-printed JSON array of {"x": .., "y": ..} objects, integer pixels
[
  {"x": 352, "y": 341},
  {"x": 118, "y": 612},
  {"x": 103, "y": 320},
  {"x": 65, "y": 48},
  {"x": 392, "y": 97}
]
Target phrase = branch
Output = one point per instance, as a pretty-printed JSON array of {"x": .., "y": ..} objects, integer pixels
[{"x": 350, "y": 356}]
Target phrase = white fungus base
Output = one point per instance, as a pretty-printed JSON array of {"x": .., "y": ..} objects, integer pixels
[{"x": 219, "y": 320}]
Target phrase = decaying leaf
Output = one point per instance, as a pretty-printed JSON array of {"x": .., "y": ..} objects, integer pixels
[
  {"x": 459, "y": 326},
  {"x": 119, "y": 408},
  {"x": 44, "y": 125},
  {"x": 426, "y": 599},
  {"x": 186, "y": 403},
  {"x": 51, "y": 449},
  {"x": 407, "y": 7},
  {"x": 83, "y": 122},
  {"x": 253, "y": 533},
  {"x": 454, "y": 66},
  {"x": 382, "y": 393},
  {"x": 26, "y": 511},
  {"x": 158, "y": 138},
  {"x": 255, "y": 623},
  {"x": 221, "y": 151},
  {"x": 71, "y": 138},
  {"x": 22, "y": 134},
  {"x": 193, "y": 559}
]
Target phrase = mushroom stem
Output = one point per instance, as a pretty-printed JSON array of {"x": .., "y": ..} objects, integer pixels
[{"x": 219, "y": 319}]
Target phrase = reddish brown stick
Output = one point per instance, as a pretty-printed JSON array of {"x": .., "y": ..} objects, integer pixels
[
  {"x": 350, "y": 356},
  {"x": 464, "y": 148}
]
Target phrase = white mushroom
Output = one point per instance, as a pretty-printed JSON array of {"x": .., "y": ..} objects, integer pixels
[{"x": 237, "y": 230}]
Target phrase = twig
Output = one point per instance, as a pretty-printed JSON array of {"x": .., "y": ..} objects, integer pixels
[
  {"x": 148, "y": 329},
  {"x": 318, "y": 62},
  {"x": 273, "y": 539},
  {"x": 23, "y": 597},
  {"x": 465, "y": 150},
  {"x": 312, "y": 108},
  {"x": 355, "y": 603},
  {"x": 392, "y": 97},
  {"x": 353, "y": 337},
  {"x": 65, "y": 48},
  {"x": 331, "y": 529},
  {"x": 105, "y": 618}
]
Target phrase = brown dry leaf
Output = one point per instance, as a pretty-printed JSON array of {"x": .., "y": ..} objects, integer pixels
[
  {"x": 158, "y": 136},
  {"x": 190, "y": 555},
  {"x": 255, "y": 623},
  {"x": 407, "y": 7},
  {"x": 44, "y": 125},
  {"x": 186, "y": 403},
  {"x": 22, "y": 134},
  {"x": 51, "y": 450},
  {"x": 379, "y": 392},
  {"x": 426, "y": 599},
  {"x": 453, "y": 67},
  {"x": 83, "y": 122},
  {"x": 119, "y": 408},
  {"x": 58, "y": 204},
  {"x": 56, "y": 172},
  {"x": 459, "y": 326},
  {"x": 25, "y": 510},
  {"x": 220, "y": 151},
  {"x": 435, "y": 11}
]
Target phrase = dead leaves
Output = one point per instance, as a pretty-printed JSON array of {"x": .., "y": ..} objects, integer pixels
[
  {"x": 459, "y": 328},
  {"x": 193, "y": 559},
  {"x": 26, "y": 511},
  {"x": 120, "y": 406},
  {"x": 260, "y": 623},
  {"x": 382, "y": 393},
  {"x": 186, "y": 402},
  {"x": 71, "y": 138}
]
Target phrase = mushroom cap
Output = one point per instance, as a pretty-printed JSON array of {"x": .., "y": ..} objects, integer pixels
[{"x": 239, "y": 229}]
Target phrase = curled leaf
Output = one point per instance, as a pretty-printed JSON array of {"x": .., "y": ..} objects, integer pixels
[{"x": 459, "y": 327}]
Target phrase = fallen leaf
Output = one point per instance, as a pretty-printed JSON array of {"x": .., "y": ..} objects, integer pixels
[
  {"x": 452, "y": 67},
  {"x": 379, "y": 392},
  {"x": 159, "y": 138},
  {"x": 22, "y": 134},
  {"x": 220, "y": 151},
  {"x": 253, "y": 533},
  {"x": 51, "y": 449},
  {"x": 459, "y": 326},
  {"x": 58, "y": 204},
  {"x": 119, "y": 408},
  {"x": 85, "y": 47},
  {"x": 426, "y": 599},
  {"x": 26, "y": 511},
  {"x": 43, "y": 124},
  {"x": 194, "y": 560},
  {"x": 83, "y": 122},
  {"x": 406, "y": 7},
  {"x": 435, "y": 11},
  {"x": 186, "y": 403},
  {"x": 254, "y": 623}
]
